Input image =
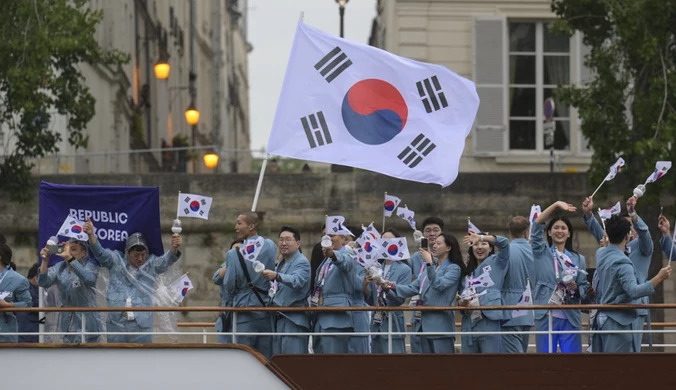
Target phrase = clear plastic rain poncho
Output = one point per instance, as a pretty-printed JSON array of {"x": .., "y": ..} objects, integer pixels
[{"x": 108, "y": 278}]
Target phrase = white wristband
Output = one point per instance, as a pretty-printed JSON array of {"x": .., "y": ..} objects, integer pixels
[{"x": 481, "y": 238}]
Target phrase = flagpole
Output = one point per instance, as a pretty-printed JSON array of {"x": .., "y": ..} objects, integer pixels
[
  {"x": 531, "y": 297},
  {"x": 598, "y": 188},
  {"x": 671, "y": 252},
  {"x": 530, "y": 231},
  {"x": 41, "y": 315},
  {"x": 384, "y": 199},
  {"x": 179, "y": 202},
  {"x": 260, "y": 183}
]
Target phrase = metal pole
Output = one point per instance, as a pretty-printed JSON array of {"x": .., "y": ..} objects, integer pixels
[
  {"x": 389, "y": 332},
  {"x": 341, "y": 12},
  {"x": 41, "y": 315},
  {"x": 83, "y": 325},
  {"x": 234, "y": 327},
  {"x": 550, "y": 321},
  {"x": 260, "y": 183},
  {"x": 551, "y": 158}
]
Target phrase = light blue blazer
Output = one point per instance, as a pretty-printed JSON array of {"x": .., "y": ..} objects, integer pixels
[
  {"x": 400, "y": 274},
  {"x": 640, "y": 251},
  {"x": 18, "y": 288},
  {"x": 338, "y": 290},
  {"x": 440, "y": 286},
  {"x": 545, "y": 276},
  {"x": 237, "y": 286},
  {"x": 497, "y": 266},
  {"x": 226, "y": 301},
  {"x": 77, "y": 288},
  {"x": 293, "y": 287},
  {"x": 521, "y": 269},
  {"x": 618, "y": 283}
]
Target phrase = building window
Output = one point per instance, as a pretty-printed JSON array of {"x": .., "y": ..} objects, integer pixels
[{"x": 538, "y": 63}]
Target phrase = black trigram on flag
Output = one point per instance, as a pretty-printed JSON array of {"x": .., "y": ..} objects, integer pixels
[
  {"x": 333, "y": 64},
  {"x": 419, "y": 149},
  {"x": 316, "y": 130},
  {"x": 433, "y": 97}
]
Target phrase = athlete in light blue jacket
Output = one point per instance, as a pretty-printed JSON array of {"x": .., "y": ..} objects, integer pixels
[
  {"x": 555, "y": 259},
  {"x": 617, "y": 283},
  {"x": 14, "y": 292},
  {"x": 75, "y": 278},
  {"x": 131, "y": 283},
  {"x": 290, "y": 287}
]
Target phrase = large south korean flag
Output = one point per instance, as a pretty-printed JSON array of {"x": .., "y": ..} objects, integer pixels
[{"x": 347, "y": 103}]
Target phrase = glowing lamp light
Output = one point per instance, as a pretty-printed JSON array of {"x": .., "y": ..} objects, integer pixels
[
  {"x": 162, "y": 69},
  {"x": 192, "y": 116},
  {"x": 211, "y": 160}
]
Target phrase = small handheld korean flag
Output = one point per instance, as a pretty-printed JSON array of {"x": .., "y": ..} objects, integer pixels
[
  {"x": 371, "y": 233},
  {"x": 195, "y": 206},
  {"x": 661, "y": 168},
  {"x": 614, "y": 169},
  {"x": 610, "y": 211},
  {"x": 407, "y": 215},
  {"x": 348, "y": 103},
  {"x": 180, "y": 287},
  {"x": 525, "y": 300},
  {"x": 390, "y": 204},
  {"x": 535, "y": 212},
  {"x": 471, "y": 228},
  {"x": 336, "y": 225},
  {"x": 394, "y": 249},
  {"x": 368, "y": 254},
  {"x": 72, "y": 228},
  {"x": 251, "y": 248}
]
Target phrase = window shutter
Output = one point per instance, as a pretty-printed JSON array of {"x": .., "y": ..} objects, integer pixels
[
  {"x": 585, "y": 76},
  {"x": 489, "y": 73}
]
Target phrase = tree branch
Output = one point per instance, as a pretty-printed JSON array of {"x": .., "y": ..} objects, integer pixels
[{"x": 664, "y": 102}]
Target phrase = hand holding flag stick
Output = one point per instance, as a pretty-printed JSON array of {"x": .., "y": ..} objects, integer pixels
[{"x": 661, "y": 168}]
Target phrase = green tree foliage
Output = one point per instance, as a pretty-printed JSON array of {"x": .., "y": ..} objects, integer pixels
[
  {"x": 633, "y": 58},
  {"x": 43, "y": 43}
]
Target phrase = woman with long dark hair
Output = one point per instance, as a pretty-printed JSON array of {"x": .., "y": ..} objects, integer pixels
[
  {"x": 482, "y": 287},
  {"x": 437, "y": 286},
  {"x": 14, "y": 292},
  {"x": 560, "y": 278}
]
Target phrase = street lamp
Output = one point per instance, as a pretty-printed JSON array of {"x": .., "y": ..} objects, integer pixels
[
  {"x": 162, "y": 69},
  {"x": 341, "y": 12},
  {"x": 192, "y": 115},
  {"x": 211, "y": 160}
]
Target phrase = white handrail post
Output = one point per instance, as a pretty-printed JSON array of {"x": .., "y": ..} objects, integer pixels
[
  {"x": 389, "y": 332},
  {"x": 83, "y": 327},
  {"x": 204, "y": 335},
  {"x": 234, "y": 327},
  {"x": 550, "y": 321}
]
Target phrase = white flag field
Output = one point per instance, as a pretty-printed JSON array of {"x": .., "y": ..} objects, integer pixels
[
  {"x": 251, "y": 248},
  {"x": 347, "y": 103},
  {"x": 72, "y": 228},
  {"x": 180, "y": 287},
  {"x": 191, "y": 205},
  {"x": 525, "y": 300}
]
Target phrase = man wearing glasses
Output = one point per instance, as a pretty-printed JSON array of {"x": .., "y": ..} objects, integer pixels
[{"x": 290, "y": 287}]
